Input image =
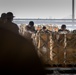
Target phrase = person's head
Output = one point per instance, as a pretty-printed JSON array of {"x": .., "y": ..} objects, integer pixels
[
  {"x": 31, "y": 23},
  {"x": 44, "y": 27},
  {"x": 3, "y": 17},
  {"x": 10, "y": 16},
  {"x": 63, "y": 27}
]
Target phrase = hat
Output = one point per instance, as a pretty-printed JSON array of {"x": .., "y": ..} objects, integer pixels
[{"x": 10, "y": 14}]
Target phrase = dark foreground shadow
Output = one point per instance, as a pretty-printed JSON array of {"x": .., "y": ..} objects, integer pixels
[{"x": 18, "y": 55}]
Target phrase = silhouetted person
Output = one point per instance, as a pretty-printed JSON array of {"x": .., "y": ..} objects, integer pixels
[
  {"x": 30, "y": 26},
  {"x": 74, "y": 31},
  {"x": 30, "y": 29},
  {"x": 44, "y": 29},
  {"x": 18, "y": 55},
  {"x": 10, "y": 25},
  {"x": 63, "y": 28},
  {"x": 3, "y": 20}
]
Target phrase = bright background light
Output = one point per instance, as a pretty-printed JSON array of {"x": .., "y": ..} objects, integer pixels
[{"x": 38, "y": 8}]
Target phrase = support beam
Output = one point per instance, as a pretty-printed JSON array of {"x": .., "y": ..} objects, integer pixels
[{"x": 73, "y": 15}]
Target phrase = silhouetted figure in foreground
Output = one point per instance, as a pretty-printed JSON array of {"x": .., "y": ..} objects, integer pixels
[
  {"x": 18, "y": 55},
  {"x": 3, "y": 18},
  {"x": 10, "y": 25}
]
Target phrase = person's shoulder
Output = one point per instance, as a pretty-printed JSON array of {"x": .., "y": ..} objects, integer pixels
[
  {"x": 60, "y": 30},
  {"x": 14, "y": 23},
  {"x": 67, "y": 30},
  {"x": 27, "y": 27}
]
